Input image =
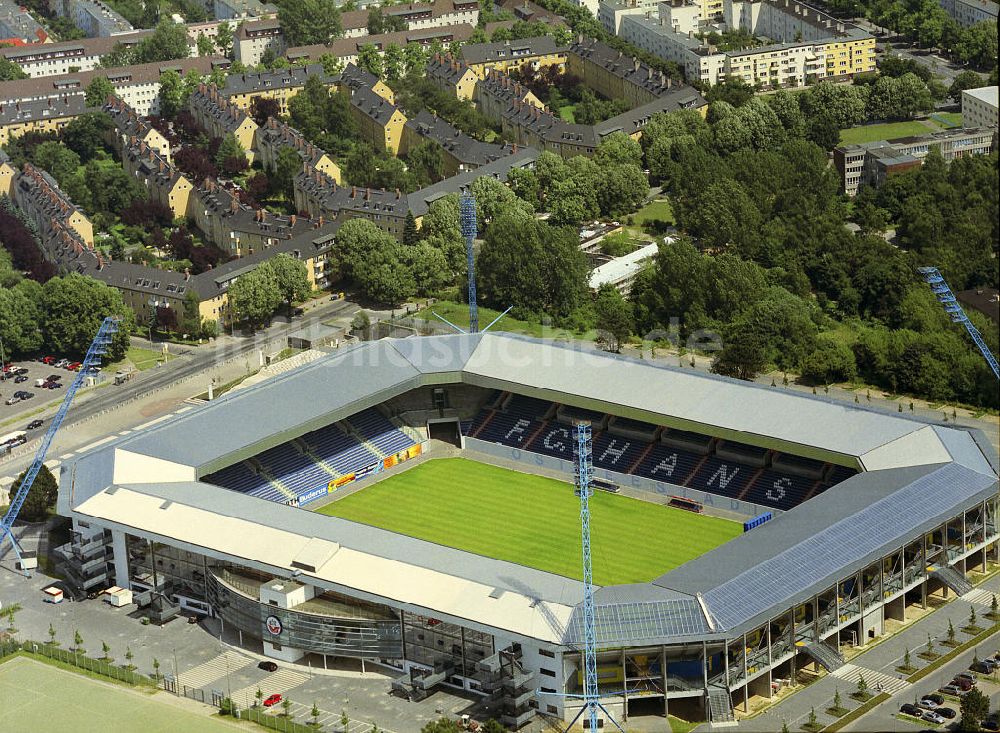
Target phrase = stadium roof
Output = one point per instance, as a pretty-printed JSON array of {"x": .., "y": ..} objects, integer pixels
[{"x": 916, "y": 475}]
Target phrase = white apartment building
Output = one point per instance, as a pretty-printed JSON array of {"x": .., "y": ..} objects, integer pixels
[
  {"x": 96, "y": 19},
  {"x": 254, "y": 38},
  {"x": 979, "y": 107},
  {"x": 970, "y": 12}
]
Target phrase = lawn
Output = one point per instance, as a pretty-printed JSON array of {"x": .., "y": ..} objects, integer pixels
[
  {"x": 887, "y": 131},
  {"x": 458, "y": 313},
  {"x": 947, "y": 119},
  {"x": 534, "y": 521},
  {"x": 568, "y": 113},
  {"x": 659, "y": 209},
  {"x": 40, "y": 697},
  {"x": 144, "y": 359}
]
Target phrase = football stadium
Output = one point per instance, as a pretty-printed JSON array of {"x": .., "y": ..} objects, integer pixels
[{"x": 410, "y": 502}]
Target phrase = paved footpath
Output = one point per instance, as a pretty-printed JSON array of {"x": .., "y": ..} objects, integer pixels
[{"x": 878, "y": 664}]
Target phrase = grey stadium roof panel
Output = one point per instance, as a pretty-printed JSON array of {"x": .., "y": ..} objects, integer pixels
[{"x": 926, "y": 473}]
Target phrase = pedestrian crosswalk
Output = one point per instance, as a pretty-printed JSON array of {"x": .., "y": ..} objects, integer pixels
[
  {"x": 214, "y": 669},
  {"x": 876, "y": 681},
  {"x": 979, "y": 596},
  {"x": 280, "y": 681}
]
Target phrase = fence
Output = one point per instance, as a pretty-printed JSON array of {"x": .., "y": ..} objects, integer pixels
[
  {"x": 274, "y": 722},
  {"x": 82, "y": 661}
]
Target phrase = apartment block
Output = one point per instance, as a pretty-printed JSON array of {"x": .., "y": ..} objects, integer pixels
[
  {"x": 534, "y": 53},
  {"x": 130, "y": 125},
  {"x": 452, "y": 75},
  {"x": 379, "y": 121},
  {"x": 807, "y": 45},
  {"x": 254, "y": 38},
  {"x": 243, "y": 9},
  {"x": 17, "y": 26},
  {"x": 96, "y": 19},
  {"x": 870, "y": 164},
  {"x": 275, "y": 135},
  {"x": 970, "y": 12},
  {"x": 459, "y": 151},
  {"x": 979, "y": 107},
  {"x": 220, "y": 117},
  {"x": 279, "y": 85},
  {"x": 66, "y": 57},
  {"x": 39, "y": 196}
]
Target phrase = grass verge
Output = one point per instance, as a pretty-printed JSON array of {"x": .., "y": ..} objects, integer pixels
[
  {"x": 944, "y": 658},
  {"x": 856, "y": 713}
]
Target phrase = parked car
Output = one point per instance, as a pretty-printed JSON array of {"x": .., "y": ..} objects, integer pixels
[
  {"x": 931, "y": 717},
  {"x": 50, "y": 360},
  {"x": 13, "y": 400},
  {"x": 20, "y": 379},
  {"x": 908, "y": 709},
  {"x": 268, "y": 666},
  {"x": 35, "y": 424},
  {"x": 74, "y": 366},
  {"x": 53, "y": 378},
  {"x": 61, "y": 364},
  {"x": 970, "y": 677},
  {"x": 948, "y": 713},
  {"x": 990, "y": 724},
  {"x": 935, "y": 697},
  {"x": 983, "y": 667},
  {"x": 952, "y": 689},
  {"x": 272, "y": 700},
  {"x": 927, "y": 704}
]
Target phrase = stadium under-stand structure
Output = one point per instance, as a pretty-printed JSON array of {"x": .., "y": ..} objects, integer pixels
[{"x": 872, "y": 513}]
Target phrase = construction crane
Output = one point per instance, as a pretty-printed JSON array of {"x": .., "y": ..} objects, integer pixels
[
  {"x": 467, "y": 222},
  {"x": 467, "y": 219},
  {"x": 584, "y": 473},
  {"x": 98, "y": 348},
  {"x": 947, "y": 298}
]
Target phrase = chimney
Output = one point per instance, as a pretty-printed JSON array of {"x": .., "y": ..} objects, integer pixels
[
  {"x": 291, "y": 220},
  {"x": 187, "y": 274},
  {"x": 515, "y": 148},
  {"x": 368, "y": 194},
  {"x": 670, "y": 82},
  {"x": 397, "y": 194},
  {"x": 635, "y": 64},
  {"x": 234, "y": 206},
  {"x": 354, "y": 191}
]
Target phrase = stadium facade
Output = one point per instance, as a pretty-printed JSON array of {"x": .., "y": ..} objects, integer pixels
[{"x": 872, "y": 513}]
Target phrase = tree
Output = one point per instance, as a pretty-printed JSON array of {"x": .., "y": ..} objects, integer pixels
[
  {"x": 383, "y": 276},
  {"x": 618, "y": 149},
  {"x": 531, "y": 265},
  {"x": 830, "y": 361},
  {"x": 78, "y": 642},
  {"x": 190, "y": 320},
  {"x": 98, "y": 91},
  {"x": 812, "y": 718},
  {"x": 411, "y": 235},
  {"x": 10, "y": 71},
  {"x": 975, "y": 708},
  {"x": 20, "y": 315},
  {"x": 441, "y": 725},
  {"x": 426, "y": 161},
  {"x": 261, "y": 108},
  {"x": 837, "y": 701},
  {"x": 167, "y": 42},
  {"x": 156, "y": 668},
  {"x": 287, "y": 165},
  {"x": 315, "y": 713},
  {"x": 106, "y": 648},
  {"x": 73, "y": 308},
  {"x": 224, "y": 38},
  {"x": 723, "y": 214},
  {"x": 972, "y": 617},
  {"x": 259, "y": 695},
  {"x": 360, "y": 323},
  {"x": 614, "y": 317},
  {"x": 492, "y": 199},
  {"x": 951, "y": 632},
  {"x": 305, "y": 22},
  {"x": 906, "y": 659},
  {"x": 41, "y": 498},
  {"x": 254, "y": 296},
  {"x": 965, "y": 80},
  {"x": 84, "y": 135},
  {"x": 862, "y": 687},
  {"x": 52, "y": 635},
  {"x": 622, "y": 190},
  {"x": 204, "y": 45},
  {"x": 10, "y": 612},
  {"x": 286, "y": 706},
  {"x": 171, "y": 94},
  {"x": 344, "y": 720},
  {"x": 393, "y": 62},
  {"x": 370, "y": 60},
  {"x": 291, "y": 276},
  {"x": 743, "y": 355},
  {"x": 57, "y": 159},
  {"x": 231, "y": 155}
]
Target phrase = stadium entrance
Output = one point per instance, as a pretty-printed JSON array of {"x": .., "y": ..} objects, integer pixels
[{"x": 447, "y": 430}]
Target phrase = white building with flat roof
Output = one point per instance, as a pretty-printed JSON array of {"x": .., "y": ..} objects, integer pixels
[
  {"x": 970, "y": 12},
  {"x": 979, "y": 107},
  {"x": 622, "y": 271}
]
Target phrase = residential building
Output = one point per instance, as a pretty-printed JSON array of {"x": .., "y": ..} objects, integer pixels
[
  {"x": 505, "y": 55},
  {"x": 38, "y": 195},
  {"x": 219, "y": 117},
  {"x": 612, "y": 74},
  {"x": 129, "y": 125},
  {"x": 529, "y": 11},
  {"x": 970, "y": 12},
  {"x": 872, "y": 163},
  {"x": 137, "y": 85},
  {"x": 621, "y": 272},
  {"x": 17, "y": 26},
  {"x": 279, "y": 85},
  {"x": 452, "y": 75},
  {"x": 67, "y": 57},
  {"x": 95, "y": 18},
  {"x": 254, "y": 38},
  {"x": 354, "y": 76},
  {"x": 459, "y": 151},
  {"x": 415, "y": 16},
  {"x": 38, "y": 115},
  {"x": 346, "y": 50},
  {"x": 164, "y": 183},
  {"x": 7, "y": 173},
  {"x": 807, "y": 46},
  {"x": 275, "y": 135},
  {"x": 243, "y": 9},
  {"x": 379, "y": 121},
  {"x": 979, "y": 107}
]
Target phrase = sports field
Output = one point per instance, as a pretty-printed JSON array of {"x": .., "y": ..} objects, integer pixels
[
  {"x": 39, "y": 697},
  {"x": 533, "y": 521}
]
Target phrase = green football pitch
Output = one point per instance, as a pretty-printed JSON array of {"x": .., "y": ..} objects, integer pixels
[
  {"x": 40, "y": 697},
  {"x": 534, "y": 521}
]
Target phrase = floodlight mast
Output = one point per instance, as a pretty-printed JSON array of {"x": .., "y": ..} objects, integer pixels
[{"x": 467, "y": 218}]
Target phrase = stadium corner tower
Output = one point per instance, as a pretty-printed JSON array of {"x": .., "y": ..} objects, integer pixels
[{"x": 211, "y": 509}]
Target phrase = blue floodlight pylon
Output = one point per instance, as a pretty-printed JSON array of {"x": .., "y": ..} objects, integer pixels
[
  {"x": 947, "y": 299},
  {"x": 467, "y": 219},
  {"x": 98, "y": 347}
]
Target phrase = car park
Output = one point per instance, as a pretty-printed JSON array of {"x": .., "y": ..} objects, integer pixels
[
  {"x": 267, "y": 666},
  {"x": 272, "y": 700}
]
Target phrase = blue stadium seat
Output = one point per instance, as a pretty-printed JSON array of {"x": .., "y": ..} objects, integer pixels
[
  {"x": 615, "y": 453},
  {"x": 780, "y": 490},
  {"x": 725, "y": 478},
  {"x": 664, "y": 463},
  {"x": 513, "y": 430},
  {"x": 838, "y": 474},
  {"x": 381, "y": 433},
  {"x": 555, "y": 439},
  {"x": 528, "y": 407}
]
